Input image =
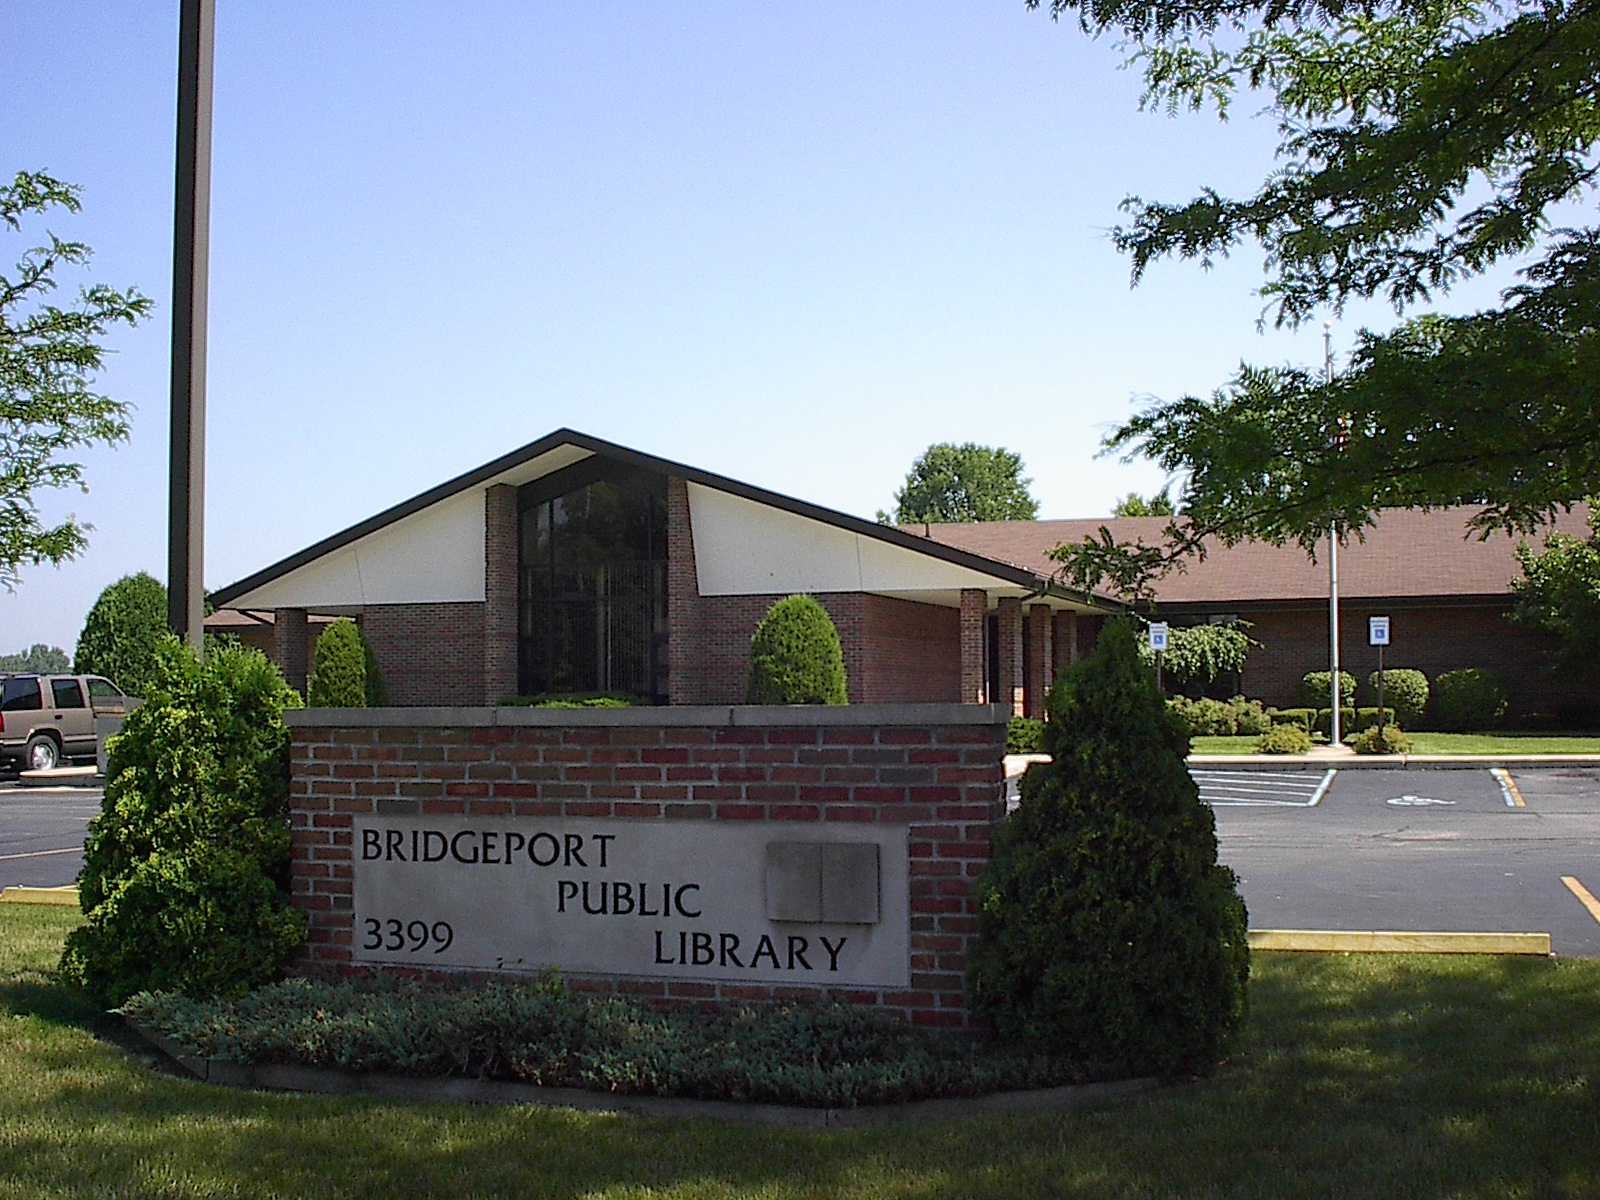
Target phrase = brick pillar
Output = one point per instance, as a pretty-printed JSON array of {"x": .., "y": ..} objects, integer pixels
[
  {"x": 1009, "y": 612},
  {"x": 291, "y": 641},
  {"x": 499, "y": 593},
  {"x": 1064, "y": 641},
  {"x": 684, "y": 651},
  {"x": 974, "y": 663},
  {"x": 1038, "y": 675}
]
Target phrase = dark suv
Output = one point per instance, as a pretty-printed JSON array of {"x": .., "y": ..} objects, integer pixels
[{"x": 46, "y": 720}]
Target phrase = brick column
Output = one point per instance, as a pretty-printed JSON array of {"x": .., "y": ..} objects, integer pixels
[
  {"x": 291, "y": 643},
  {"x": 684, "y": 650},
  {"x": 499, "y": 593},
  {"x": 1038, "y": 673},
  {"x": 1010, "y": 636},
  {"x": 1064, "y": 641},
  {"x": 974, "y": 663}
]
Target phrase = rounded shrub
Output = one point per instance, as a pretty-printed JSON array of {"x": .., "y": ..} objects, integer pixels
[
  {"x": 1469, "y": 699},
  {"x": 796, "y": 657},
  {"x": 1387, "y": 740},
  {"x": 185, "y": 881},
  {"x": 1404, "y": 690},
  {"x": 345, "y": 672},
  {"x": 1107, "y": 930},
  {"x": 1284, "y": 739},
  {"x": 1316, "y": 686},
  {"x": 122, "y": 631}
]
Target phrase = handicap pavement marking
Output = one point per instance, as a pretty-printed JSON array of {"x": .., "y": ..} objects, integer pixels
[
  {"x": 1410, "y": 801},
  {"x": 1263, "y": 789}
]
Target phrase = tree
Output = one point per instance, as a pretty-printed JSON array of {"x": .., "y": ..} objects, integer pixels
[
  {"x": 345, "y": 673},
  {"x": 185, "y": 881},
  {"x": 963, "y": 483},
  {"x": 1107, "y": 930},
  {"x": 122, "y": 631},
  {"x": 37, "y": 659},
  {"x": 1135, "y": 505},
  {"x": 1559, "y": 593},
  {"x": 49, "y": 358},
  {"x": 796, "y": 656},
  {"x": 1422, "y": 142}
]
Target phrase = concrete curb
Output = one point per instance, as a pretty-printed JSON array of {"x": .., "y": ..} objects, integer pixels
[
  {"x": 63, "y": 896},
  {"x": 1388, "y": 762},
  {"x": 1396, "y": 942},
  {"x": 329, "y": 1082}
]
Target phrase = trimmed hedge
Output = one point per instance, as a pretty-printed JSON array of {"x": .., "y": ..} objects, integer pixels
[
  {"x": 1305, "y": 718},
  {"x": 1316, "y": 687},
  {"x": 1469, "y": 699},
  {"x": 1405, "y": 690},
  {"x": 796, "y": 657}
]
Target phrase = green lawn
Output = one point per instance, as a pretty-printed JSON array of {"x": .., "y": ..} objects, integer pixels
[
  {"x": 1380, "y": 1076},
  {"x": 1443, "y": 743}
]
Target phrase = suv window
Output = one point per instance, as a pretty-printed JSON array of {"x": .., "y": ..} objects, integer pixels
[
  {"x": 20, "y": 694},
  {"x": 67, "y": 693},
  {"x": 104, "y": 689}
]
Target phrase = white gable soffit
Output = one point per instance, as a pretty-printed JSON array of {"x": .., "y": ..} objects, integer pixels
[
  {"x": 433, "y": 556},
  {"x": 745, "y": 548}
]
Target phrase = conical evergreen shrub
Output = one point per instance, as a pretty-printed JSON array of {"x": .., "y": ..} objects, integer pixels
[
  {"x": 795, "y": 656},
  {"x": 345, "y": 672},
  {"x": 1107, "y": 930}
]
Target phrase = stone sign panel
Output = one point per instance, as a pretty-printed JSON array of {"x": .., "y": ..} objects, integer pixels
[{"x": 701, "y": 900}]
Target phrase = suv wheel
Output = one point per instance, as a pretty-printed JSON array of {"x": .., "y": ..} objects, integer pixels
[{"x": 41, "y": 754}]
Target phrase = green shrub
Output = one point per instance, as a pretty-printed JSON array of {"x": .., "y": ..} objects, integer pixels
[
  {"x": 1284, "y": 739},
  {"x": 185, "y": 873},
  {"x": 1388, "y": 740},
  {"x": 1249, "y": 717},
  {"x": 1305, "y": 718},
  {"x": 1404, "y": 690},
  {"x": 1366, "y": 718},
  {"x": 345, "y": 672},
  {"x": 1315, "y": 689},
  {"x": 1204, "y": 717},
  {"x": 578, "y": 700},
  {"x": 1469, "y": 699},
  {"x": 1107, "y": 930},
  {"x": 1024, "y": 735},
  {"x": 1324, "y": 721},
  {"x": 122, "y": 631},
  {"x": 795, "y": 656}
]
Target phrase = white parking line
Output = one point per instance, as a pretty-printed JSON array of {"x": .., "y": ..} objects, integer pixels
[
  {"x": 1274, "y": 789},
  {"x": 1508, "y": 787},
  {"x": 40, "y": 853}
]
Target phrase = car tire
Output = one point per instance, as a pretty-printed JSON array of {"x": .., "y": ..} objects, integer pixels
[{"x": 41, "y": 754}]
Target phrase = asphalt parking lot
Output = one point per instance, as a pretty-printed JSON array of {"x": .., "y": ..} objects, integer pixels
[
  {"x": 42, "y": 832},
  {"x": 1513, "y": 850}
]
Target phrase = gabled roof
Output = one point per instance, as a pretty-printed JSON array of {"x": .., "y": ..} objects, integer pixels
[
  {"x": 1408, "y": 554},
  {"x": 566, "y": 446}
]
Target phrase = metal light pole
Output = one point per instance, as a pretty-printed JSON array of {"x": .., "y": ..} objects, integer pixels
[
  {"x": 191, "y": 237},
  {"x": 1333, "y": 562}
]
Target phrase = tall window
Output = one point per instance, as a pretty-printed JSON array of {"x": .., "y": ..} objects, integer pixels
[{"x": 592, "y": 582}]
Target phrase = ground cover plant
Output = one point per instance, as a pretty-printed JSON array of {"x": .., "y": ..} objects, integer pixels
[
  {"x": 813, "y": 1053},
  {"x": 1431, "y": 1078}
]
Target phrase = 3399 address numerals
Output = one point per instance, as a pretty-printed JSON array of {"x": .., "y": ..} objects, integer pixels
[{"x": 396, "y": 934}]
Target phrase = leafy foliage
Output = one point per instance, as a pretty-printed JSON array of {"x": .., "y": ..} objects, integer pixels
[
  {"x": 1422, "y": 142},
  {"x": 1559, "y": 593},
  {"x": 1135, "y": 505},
  {"x": 1205, "y": 717},
  {"x": 1469, "y": 699},
  {"x": 796, "y": 657},
  {"x": 37, "y": 659},
  {"x": 49, "y": 358},
  {"x": 1316, "y": 689},
  {"x": 1404, "y": 690},
  {"x": 964, "y": 483},
  {"x": 1199, "y": 653},
  {"x": 1284, "y": 739},
  {"x": 806, "y": 1053},
  {"x": 1107, "y": 930},
  {"x": 345, "y": 673},
  {"x": 1380, "y": 739},
  {"x": 1024, "y": 735},
  {"x": 185, "y": 873},
  {"x": 122, "y": 632}
]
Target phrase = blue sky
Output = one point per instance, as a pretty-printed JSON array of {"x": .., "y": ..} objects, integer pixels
[{"x": 794, "y": 243}]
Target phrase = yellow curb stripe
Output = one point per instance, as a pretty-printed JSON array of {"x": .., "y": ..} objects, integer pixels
[
  {"x": 1584, "y": 895},
  {"x": 65, "y": 896},
  {"x": 1375, "y": 941},
  {"x": 1509, "y": 788}
]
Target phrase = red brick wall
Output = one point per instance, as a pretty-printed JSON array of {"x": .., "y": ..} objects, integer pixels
[
  {"x": 939, "y": 776},
  {"x": 500, "y": 595},
  {"x": 912, "y": 653},
  {"x": 430, "y": 654}
]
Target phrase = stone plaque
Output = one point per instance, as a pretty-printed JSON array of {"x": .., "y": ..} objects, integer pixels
[{"x": 671, "y": 899}]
